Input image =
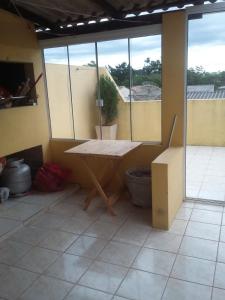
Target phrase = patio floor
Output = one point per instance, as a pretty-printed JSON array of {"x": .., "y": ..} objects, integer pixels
[
  {"x": 65, "y": 253},
  {"x": 205, "y": 173}
]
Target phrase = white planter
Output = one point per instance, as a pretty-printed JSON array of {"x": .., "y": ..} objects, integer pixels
[{"x": 108, "y": 132}]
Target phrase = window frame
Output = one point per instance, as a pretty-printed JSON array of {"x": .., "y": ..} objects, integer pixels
[{"x": 140, "y": 31}]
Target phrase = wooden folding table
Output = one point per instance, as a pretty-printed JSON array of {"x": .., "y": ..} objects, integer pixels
[{"x": 113, "y": 151}]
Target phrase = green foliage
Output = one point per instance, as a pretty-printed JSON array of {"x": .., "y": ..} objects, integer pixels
[
  {"x": 109, "y": 94},
  {"x": 151, "y": 73},
  {"x": 198, "y": 75}
]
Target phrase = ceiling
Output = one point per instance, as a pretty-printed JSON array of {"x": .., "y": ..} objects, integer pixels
[{"x": 61, "y": 17}]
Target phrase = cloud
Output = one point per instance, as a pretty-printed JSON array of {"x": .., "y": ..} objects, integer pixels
[
  {"x": 113, "y": 52},
  {"x": 206, "y": 44},
  {"x": 210, "y": 30}
]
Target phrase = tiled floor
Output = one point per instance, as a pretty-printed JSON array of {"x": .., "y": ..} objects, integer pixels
[
  {"x": 205, "y": 173},
  {"x": 17, "y": 211},
  {"x": 68, "y": 254}
]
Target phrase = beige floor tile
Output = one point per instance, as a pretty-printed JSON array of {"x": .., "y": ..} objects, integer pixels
[
  {"x": 194, "y": 270},
  {"x": 184, "y": 213},
  {"x": 163, "y": 240},
  {"x": 206, "y": 216},
  {"x": 199, "y": 248},
  {"x": 12, "y": 251},
  {"x": 223, "y": 221},
  {"x": 21, "y": 211},
  {"x": 221, "y": 252},
  {"x": 7, "y": 225},
  {"x": 69, "y": 267},
  {"x": 87, "y": 246},
  {"x": 141, "y": 285},
  {"x": 58, "y": 240},
  {"x": 63, "y": 209},
  {"x": 178, "y": 290},
  {"x": 178, "y": 226},
  {"x": 222, "y": 234},
  {"x": 133, "y": 233},
  {"x": 37, "y": 259},
  {"x": 203, "y": 230},
  {"x": 14, "y": 281},
  {"x": 154, "y": 261},
  {"x": 29, "y": 235},
  {"x": 187, "y": 203},
  {"x": 219, "y": 276},
  {"x": 104, "y": 277},
  {"x": 49, "y": 221},
  {"x": 119, "y": 253},
  {"x": 84, "y": 293},
  {"x": 218, "y": 294},
  {"x": 102, "y": 230},
  {"x": 46, "y": 288},
  {"x": 218, "y": 208},
  {"x": 76, "y": 225}
]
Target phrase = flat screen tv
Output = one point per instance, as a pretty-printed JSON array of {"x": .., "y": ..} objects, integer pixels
[{"x": 17, "y": 84}]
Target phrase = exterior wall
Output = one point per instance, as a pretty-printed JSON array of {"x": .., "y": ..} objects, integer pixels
[
  {"x": 59, "y": 101},
  {"x": 22, "y": 127},
  {"x": 206, "y": 122},
  {"x": 146, "y": 115},
  {"x": 205, "y": 118}
]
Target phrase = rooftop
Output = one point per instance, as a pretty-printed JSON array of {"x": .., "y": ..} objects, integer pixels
[{"x": 151, "y": 92}]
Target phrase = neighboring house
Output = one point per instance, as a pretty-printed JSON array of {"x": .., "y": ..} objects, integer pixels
[
  {"x": 151, "y": 92},
  {"x": 141, "y": 92},
  {"x": 201, "y": 88}
]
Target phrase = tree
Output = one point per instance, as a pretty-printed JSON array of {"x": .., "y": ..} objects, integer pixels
[
  {"x": 152, "y": 66},
  {"x": 120, "y": 74}
]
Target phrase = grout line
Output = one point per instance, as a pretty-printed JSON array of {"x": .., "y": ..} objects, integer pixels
[
  {"x": 130, "y": 268},
  {"x": 177, "y": 253},
  {"x": 217, "y": 256}
]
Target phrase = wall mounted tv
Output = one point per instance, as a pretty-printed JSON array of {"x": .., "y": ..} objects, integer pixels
[{"x": 17, "y": 84}]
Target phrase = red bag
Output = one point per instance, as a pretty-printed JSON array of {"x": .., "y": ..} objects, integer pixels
[{"x": 51, "y": 178}]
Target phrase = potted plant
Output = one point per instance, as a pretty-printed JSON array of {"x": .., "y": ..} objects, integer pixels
[{"x": 109, "y": 110}]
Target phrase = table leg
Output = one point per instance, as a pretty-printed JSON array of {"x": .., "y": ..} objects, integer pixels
[
  {"x": 94, "y": 191},
  {"x": 99, "y": 188}
]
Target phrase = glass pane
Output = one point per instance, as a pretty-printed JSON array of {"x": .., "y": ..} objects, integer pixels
[
  {"x": 205, "y": 152},
  {"x": 114, "y": 89},
  {"x": 59, "y": 92},
  {"x": 146, "y": 88},
  {"x": 83, "y": 74}
]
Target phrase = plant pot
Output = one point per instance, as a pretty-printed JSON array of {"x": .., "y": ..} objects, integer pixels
[
  {"x": 138, "y": 182},
  {"x": 108, "y": 132}
]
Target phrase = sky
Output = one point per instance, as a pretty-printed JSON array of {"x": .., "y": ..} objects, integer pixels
[{"x": 206, "y": 47}]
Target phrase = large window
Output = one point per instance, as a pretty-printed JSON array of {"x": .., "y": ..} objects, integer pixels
[
  {"x": 108, "y": 89},
  {"x": 58, "y": 84},
  {"x": 83, "y": 75}
]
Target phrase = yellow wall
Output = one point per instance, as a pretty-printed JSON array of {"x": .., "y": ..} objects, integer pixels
[
  {"x": 205, "y": 118},
  {"x": 206, "y": 122},
  {"x": 146, "y": 115},
  {"x": 59, "y": 101},
  {"x": 167, "y": 170},
  {"x": 22, "y": 127}
]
